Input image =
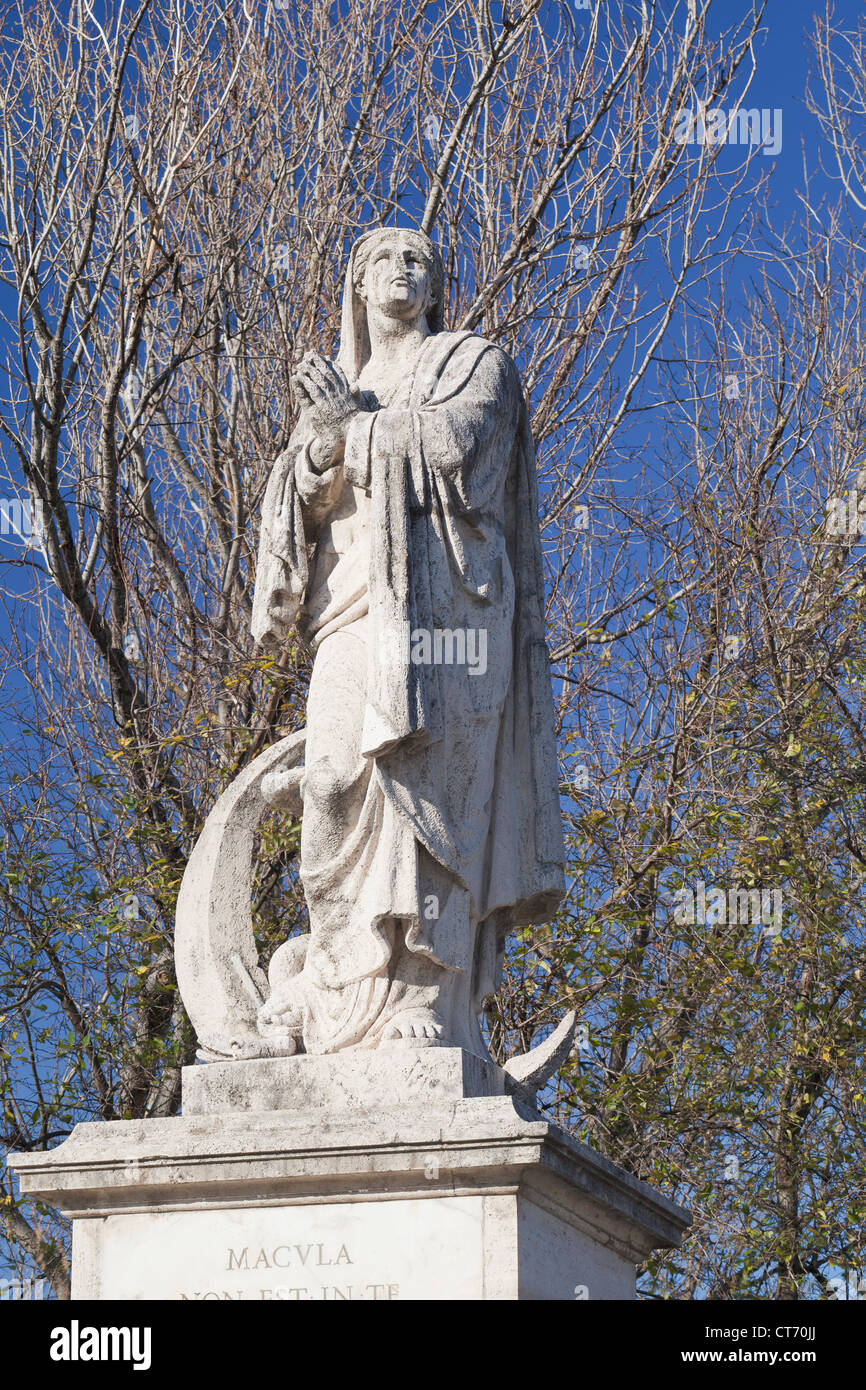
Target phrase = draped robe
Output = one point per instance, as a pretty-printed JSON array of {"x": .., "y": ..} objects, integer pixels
[{"x": 454, "y": 793}]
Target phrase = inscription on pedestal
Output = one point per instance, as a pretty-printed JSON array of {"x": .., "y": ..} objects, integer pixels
[
  {"x": 342, "y": 1251},
  {"x": 297, "y": 1260}
]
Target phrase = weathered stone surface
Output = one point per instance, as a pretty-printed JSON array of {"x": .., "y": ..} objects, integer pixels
[
  {"x": 505, "y": 1205},
  {"x": 347, "y": 1081}
]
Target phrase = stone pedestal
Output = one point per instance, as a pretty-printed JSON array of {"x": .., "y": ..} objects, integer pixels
[{"x": 454, "y": 1189}]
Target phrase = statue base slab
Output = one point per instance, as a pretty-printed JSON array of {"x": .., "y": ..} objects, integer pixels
[
  {"x": 436, "y": 1197},
  {"x": 340, "y": 1081}
]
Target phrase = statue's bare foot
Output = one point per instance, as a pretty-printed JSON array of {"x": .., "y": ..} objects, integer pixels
[{"x": 416, "y": 1028}]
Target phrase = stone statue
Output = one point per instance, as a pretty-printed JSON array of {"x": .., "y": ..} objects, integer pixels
[{"x": 400, "y": 532}]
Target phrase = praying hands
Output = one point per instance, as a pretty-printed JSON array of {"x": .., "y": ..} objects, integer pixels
[{"x": 327, "y": 400}]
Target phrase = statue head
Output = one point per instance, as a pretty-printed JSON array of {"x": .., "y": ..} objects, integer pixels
[{"x": 400, "y": 272}]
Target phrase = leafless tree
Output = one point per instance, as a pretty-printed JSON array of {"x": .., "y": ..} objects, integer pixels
[{"x": 179, "y": 187}]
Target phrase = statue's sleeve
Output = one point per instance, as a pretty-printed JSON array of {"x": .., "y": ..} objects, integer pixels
[
  {"x": 357, "y": 460},
  {"x": 281, "y": 569},
  {"x": 318, "y": 491}
]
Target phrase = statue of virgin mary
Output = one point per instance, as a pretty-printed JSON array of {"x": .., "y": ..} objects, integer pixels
[{"x": 400, "y": 533}]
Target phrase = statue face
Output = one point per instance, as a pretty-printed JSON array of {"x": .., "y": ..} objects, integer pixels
[{"x": 397, "y": 278}]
